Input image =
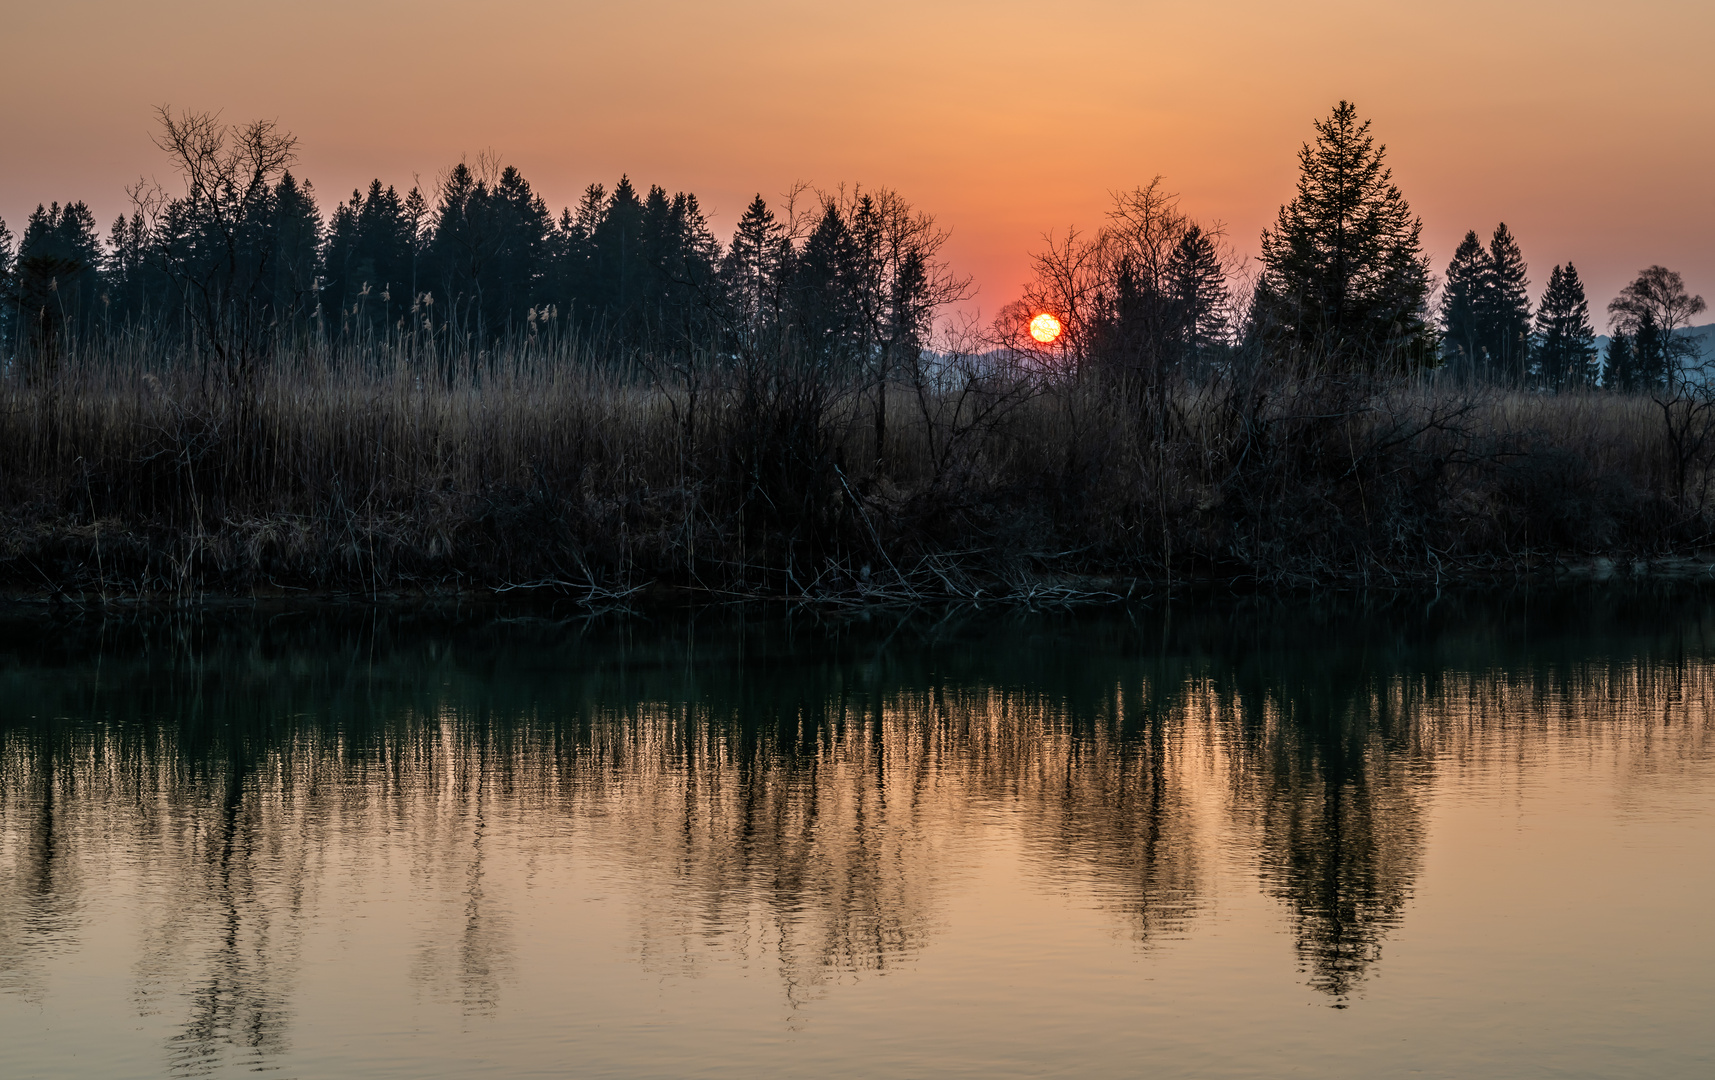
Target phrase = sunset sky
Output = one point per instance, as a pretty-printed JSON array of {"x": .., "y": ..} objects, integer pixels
[{"x": 1589, "y": 129}]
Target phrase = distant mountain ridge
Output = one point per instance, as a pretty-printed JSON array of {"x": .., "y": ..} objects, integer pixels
[{"x": 1704, "y": 334}]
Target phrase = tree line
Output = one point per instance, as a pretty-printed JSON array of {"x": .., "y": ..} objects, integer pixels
[{"x": 243, "y": 253}]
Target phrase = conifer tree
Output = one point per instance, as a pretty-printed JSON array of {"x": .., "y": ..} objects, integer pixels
[
  {"x": 824, "y": 292},
  {"x": 619, "y": 267},
  {"x": 1565, "y": 345},
  {"x": 7, "y": 259},
  {"x": 370, "y": 258},
  {"x": 1197, "y": 283},
  {"x": 58, "y": 278},
  {"x": 1649, "y": 355},
  {"x": 1503, "y": 309},
  {"x": 754, "y": 268},
  {"x": 1460, "y": 298},
  {"x": 1344, "y": 280},
  {"x": 1620, "y": 373},
  {"x": 297, "y": 240}
]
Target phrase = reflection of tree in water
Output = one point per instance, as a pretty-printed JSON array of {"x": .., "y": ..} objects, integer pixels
[
  {"x": 1101, "y": 786},
  {"x": 814, "y": 839},
  {"x": 244, "y": 940},
  {"x": 1335, "y": 794},
  {"x": 805, "y": 804},
  {"x": 39, "y": 886}
]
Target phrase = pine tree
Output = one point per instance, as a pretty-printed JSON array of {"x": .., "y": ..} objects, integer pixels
[
  {"x": 824, "y": 299},
  {"x": 1565, "y": 346},
  {"x": 297, "y": 241},
  {"x": 1344, "y": 277},
  {"x": 617, "y": 283},
  {"x": 369, "y": 263},
  {"x": 57, "y": 277},
  {"x": 1649, "y": 356},
  {"x": 1197, "y": 284},
  {"x": 1503, "y": 309},
  {"x": 1460, "y": 299},
  {"x": 1620, "y": 373},
  {"x": 753, "y": 269},
  {"x": 7, "y": 260}
]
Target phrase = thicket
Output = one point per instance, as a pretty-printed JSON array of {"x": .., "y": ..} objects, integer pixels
[{"x": 464, "y": 394}]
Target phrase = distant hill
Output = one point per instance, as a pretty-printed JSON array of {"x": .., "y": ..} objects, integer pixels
[{"x": 1704, "y": 336}]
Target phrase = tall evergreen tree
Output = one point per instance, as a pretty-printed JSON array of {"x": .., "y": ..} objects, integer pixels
[
  {"x": 1344, "y": 280},
  {"x": 1565, "y": 344},
  {"x": 1649, "y": 355},
  {"x": 297, "y": 240},
  {"x": 1461, "y": 297},
  {"x": 370, "y": 263},
  {"x": 753, "y": 270},
  {"x": 57, "y": 279},
  {"x": 1503, "y": 309},
  {"x": 619, "y": 269},
  {"x": 127, "y": 274},
  {"x": 524, "y": 232},
  {"x": 824, "y": 291},
  {"x": 1197, "y": 284},
  {"x": 8, "y": 258},
  {"x": 1620, "y": 372}
]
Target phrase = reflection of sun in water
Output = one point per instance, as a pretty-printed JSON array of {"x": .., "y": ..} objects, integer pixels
[{"x": 1045, "y": 328}]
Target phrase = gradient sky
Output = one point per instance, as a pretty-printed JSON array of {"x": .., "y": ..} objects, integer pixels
[{"x": 1589, "y": 128}]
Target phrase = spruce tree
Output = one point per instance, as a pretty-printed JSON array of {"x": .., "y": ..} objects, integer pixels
[
  {"x": 753, "y": 268},
  {"x": 1503, "y": 309},
  {"x": 1619, "y": 373},
  {"x": 58, "y": 276},
  {"x": 1197, "y": 283},
  {"x": 1344, "y": 280},
  {"x": 1649, "y": 356},
  {"x": 370, "y": 258},
  {"x": 297, "y": 244},
  {"x": 7, "y": 259},
  {"x": 1565, "y": 346},
  {"x": 1461, "y": 296},
  {"x": 823, "y": 294}
]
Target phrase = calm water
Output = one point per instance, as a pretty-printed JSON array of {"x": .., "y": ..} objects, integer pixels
[{"x": 1331, "y": 840}]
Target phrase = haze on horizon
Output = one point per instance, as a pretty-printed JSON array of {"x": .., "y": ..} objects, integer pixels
[{"x": 1586, "y": 128}]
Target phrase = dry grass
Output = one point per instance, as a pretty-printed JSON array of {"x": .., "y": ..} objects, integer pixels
[{"x": 542, "y": 466}]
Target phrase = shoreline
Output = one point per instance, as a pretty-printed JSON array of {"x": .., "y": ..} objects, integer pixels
[{"x": 1617, "y": 571}]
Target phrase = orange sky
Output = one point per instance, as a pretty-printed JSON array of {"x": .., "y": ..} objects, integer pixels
[{"x": 1589, "y": 128}]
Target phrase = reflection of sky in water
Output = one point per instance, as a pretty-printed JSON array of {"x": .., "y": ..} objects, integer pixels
[{"x": 367, "y": 848}]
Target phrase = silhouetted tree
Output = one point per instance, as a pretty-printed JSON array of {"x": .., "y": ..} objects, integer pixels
[
  {"x": 1503, "y": 309},
  {"x": 8, "y": 259},
  {"x": 1565, "y": 345},
  {"x": 217, "y": 245},
  {"x": 1460, "y": 299},
  {"x": 372, "y": 250},
  {"x": 57, "y": 282},
  {"x": 754, "y": 270},
  {"x": 1344, "y": 280},
  {"x": 1656, "y": 302},
  {"x": 1619, "y": 372},
  {"x": 134, "y": 292},
  {"x": 1198, "y": 284},
  {"x": 297, "y": 241}
]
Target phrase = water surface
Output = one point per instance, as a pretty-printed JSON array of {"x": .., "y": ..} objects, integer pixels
[{"x": 1335, "y": 838}]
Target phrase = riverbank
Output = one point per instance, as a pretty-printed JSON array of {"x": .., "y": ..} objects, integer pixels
[{"x": 126, "y": 478}]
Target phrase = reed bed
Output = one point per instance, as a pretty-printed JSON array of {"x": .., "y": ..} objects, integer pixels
[{"x": 555, "y": 466}]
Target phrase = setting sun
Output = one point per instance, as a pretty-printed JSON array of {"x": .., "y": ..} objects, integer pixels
[{"x": 1045, "y": 328}]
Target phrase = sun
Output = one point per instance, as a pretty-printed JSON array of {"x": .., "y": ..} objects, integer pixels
[{"x": 1045, "y": 328}]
